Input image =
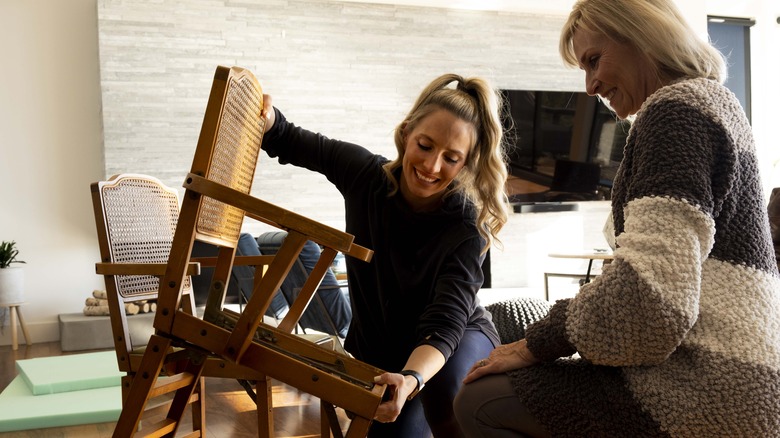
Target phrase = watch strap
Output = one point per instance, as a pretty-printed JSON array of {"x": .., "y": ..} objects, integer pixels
[{"x": 418, "y": 377}]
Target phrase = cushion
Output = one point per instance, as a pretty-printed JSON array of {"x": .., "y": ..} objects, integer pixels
[
  {"x": 512, "y": 316},
  {"x": 73, "y": 372}
]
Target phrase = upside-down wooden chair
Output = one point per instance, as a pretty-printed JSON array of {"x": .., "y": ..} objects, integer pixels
[
  {"x": 136, "y": 217},
  {"x": 215, "y": 203}
]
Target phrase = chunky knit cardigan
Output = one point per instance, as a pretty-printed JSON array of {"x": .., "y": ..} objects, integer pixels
[{"x": 680, "y": 335}]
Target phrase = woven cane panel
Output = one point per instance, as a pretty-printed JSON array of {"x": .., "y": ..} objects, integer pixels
[
  {"x": 141, "y": 219},
  {"x": 235, "y": 156}
]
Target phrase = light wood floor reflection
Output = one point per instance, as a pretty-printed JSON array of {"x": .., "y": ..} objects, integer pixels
[{"x": 230, "y": 412}]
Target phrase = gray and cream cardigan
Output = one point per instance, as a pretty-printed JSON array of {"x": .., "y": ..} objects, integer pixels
[{"x": 680, "y": 335}]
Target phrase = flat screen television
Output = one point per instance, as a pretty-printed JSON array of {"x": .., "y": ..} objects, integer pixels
[{"x": 561, "y": 146}]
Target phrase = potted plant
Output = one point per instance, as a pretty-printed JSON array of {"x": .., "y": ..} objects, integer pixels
[{"x": 11, "y": 279}]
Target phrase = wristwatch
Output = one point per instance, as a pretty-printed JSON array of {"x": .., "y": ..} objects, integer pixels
[{"x": 420, "y": 383}]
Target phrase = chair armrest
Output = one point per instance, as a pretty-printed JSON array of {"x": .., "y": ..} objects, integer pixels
[
  {"x": 155, "y": 269},
  {"x": 279, "y": 217}
]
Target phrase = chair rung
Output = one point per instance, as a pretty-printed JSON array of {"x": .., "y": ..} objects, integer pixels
[
  {"x": 195, "y": 434},
  {"x": 158, "y": 429},
  {"x": 170, "y": 384}
]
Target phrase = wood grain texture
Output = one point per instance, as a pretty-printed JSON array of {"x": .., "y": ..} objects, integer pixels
[{"x": 229, "y": 410}]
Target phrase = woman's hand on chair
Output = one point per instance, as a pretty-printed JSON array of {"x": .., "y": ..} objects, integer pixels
[
  {"x": 398, "y": 389},
  {"x": 268, "y": 112}
]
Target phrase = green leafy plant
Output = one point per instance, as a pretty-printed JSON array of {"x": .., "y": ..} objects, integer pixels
[{"x": 8, "y": 253}]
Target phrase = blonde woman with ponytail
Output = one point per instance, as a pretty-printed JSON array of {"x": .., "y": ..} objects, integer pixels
[{"x": 430, "y": 215}]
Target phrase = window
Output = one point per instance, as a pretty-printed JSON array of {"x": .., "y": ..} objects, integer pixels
[{"x": 732, "y": 37}]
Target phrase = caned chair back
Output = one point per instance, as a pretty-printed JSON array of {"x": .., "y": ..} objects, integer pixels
[
  {"x": 216, "y": 200},
  {"x": 139, "y": 215},
  {"x": 136, "y": 219},
  {"x": 227, "y": 154}
]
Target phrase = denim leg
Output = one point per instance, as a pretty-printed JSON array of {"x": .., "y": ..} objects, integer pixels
[
  {"x": 410, "y": 423},
  {"x": 440, "y": 391}
]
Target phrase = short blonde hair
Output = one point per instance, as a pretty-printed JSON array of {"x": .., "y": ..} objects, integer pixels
[{"x": 655, "y": 27}]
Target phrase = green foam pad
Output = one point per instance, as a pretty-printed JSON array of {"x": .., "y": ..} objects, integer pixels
[
  {"x": 21, "y": 410},
  {"x": 76, "y": 372}
]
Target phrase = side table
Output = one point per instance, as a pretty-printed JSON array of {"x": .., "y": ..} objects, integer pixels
[
  {"x": 14, "y": 310},
  {"x": 590, "y": 256}
]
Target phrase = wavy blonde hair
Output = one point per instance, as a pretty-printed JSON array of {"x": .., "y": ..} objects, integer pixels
[
  {"x": 484, "y": 175},
  {"x": 655, "y": 27}
]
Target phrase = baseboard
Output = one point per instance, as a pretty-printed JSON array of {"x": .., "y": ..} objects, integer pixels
[{"x": 47, "y": 331}]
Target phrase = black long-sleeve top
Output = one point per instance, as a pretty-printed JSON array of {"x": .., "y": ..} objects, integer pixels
[{"x": 421, "y": 285}]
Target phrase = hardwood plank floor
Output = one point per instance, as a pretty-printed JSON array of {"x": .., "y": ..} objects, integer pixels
[{"x": 230, "y": 411}]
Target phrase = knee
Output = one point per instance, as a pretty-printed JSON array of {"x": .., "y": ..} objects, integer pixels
[
  {"x": 466, "y": 404},
  {"x": 444, "y": 386}
]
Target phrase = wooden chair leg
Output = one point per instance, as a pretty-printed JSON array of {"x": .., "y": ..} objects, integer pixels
[
  {"x": 329, "y": 421},
  {"x": 265, "y": 408},
  {"x": 140, "y": 389},
  {"x": 324, "y": 423},
  {"x": 358, "y": 428},
  {"x": 145, "y": 385},
  {"x": 199, "y": 407}
]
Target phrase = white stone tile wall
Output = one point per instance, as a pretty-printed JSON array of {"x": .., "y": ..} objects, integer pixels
[{"x": 348, "y": 70}]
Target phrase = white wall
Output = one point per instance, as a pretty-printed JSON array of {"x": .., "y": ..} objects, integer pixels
[
  {"x": 51, "y": 148},
  {"x": 306, "y": 55},
  {"x": 766, "y": 56}
]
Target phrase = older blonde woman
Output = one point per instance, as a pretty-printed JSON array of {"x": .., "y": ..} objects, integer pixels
[{"x": 680, "y": 336}]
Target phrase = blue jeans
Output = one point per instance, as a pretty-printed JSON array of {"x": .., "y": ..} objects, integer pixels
[{"x": 431, "y": 410}]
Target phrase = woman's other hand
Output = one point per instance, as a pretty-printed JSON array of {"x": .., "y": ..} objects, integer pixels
[
  {"x": 502, "y": 359},
  {"x": 398, "y": 389},
  {"x": 268, "y": 112}
]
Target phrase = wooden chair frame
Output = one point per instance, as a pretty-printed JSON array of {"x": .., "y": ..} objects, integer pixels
[
  {"x": 214, "y": 206},
  {"x": 129, "y": 208}
]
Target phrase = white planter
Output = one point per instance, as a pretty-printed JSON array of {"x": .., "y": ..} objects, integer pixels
[{"x": 11, "y": 286}]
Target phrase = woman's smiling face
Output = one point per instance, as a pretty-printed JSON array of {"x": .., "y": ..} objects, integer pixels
[
  {"x": 435, "y": 151},
  {"x": 619, "y": 73}
]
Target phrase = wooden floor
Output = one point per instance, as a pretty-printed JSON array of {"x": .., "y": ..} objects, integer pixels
[{"x": 230, "y": 411}]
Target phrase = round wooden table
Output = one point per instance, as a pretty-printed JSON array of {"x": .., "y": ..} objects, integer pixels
[{"x": 604, "y": 255}]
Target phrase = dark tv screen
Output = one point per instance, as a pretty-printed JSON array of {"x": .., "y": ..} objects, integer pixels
[{"x": 565, "y": 145}]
